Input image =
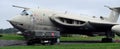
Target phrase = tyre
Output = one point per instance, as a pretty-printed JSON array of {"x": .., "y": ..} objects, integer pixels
[
  {"x": 53, "y": 41},
  {"x": 43, "y": 43},
  {"x": 107, "y": 40},
  {"x": 30, "y": 43}
]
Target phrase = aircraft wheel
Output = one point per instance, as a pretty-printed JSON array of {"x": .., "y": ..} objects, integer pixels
[
  {"x": 107, "y": 40},
  {"x": 52, "y": 42},
  {"x": 30, "y": 43},
  {"x": 43, "y": 43}
]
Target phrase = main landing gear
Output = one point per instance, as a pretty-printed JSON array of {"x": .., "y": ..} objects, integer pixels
[
  {"x": 43, "y": 41},
  {"x": 109, "y": 36},
  {"x": 107, "y": 40}
]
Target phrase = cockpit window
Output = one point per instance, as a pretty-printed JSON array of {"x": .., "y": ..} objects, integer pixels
[{"x": 26, "y": 12}]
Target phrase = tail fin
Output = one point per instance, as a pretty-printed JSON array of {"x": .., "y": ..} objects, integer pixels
[{"x": 114, "y": 15}]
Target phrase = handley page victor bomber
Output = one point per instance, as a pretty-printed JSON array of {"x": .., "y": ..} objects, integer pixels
[{"x": 45, "y": 26}]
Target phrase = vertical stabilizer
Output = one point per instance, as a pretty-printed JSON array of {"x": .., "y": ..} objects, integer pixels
[{"x": 114, "y": 15}]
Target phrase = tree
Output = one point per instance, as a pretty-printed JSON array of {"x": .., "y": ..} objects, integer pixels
[{"x": 8, "y": 30}]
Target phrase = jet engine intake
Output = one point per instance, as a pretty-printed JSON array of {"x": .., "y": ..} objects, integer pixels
[
  {"x": 116, "y": 29},
  {"x": 70, "y": 21}
]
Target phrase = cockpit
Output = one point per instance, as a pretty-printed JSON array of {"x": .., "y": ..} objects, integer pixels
[{"x": 26, "y": 12}]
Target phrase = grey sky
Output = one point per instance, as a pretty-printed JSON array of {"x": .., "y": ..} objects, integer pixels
[{"x": 88, "y": 7}]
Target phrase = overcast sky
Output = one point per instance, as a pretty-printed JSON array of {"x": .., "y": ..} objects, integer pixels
[{"x": 87, "y": 7}]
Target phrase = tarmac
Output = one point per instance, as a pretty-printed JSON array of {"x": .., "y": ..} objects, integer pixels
[{"x": 11, "y": 42}]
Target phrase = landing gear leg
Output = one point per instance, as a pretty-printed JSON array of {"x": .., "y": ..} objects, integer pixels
[
  {"x": 109, "y": 36},
  {"x": 58, "y": 40}
]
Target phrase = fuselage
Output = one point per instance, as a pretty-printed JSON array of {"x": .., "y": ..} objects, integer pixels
[{"x": 44, "y": 19}]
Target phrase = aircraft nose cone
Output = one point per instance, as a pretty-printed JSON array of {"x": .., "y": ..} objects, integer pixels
[
  {"x": 14, "y": 19},
  {"x": 9, "y": 21},
  {"x": 19, "y": 20}
]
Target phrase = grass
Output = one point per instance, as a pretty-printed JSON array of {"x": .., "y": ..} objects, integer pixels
[
  {"x": 73, "y": 38},
  {"x": 69, "y": 46},
  {"x": 11, "y": 37},
  {"x": 77, "y": 38},
  {"x": 64, "y": 46}
]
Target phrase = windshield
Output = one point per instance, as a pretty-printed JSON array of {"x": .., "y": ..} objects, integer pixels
[{"x": 26, "y": 12}]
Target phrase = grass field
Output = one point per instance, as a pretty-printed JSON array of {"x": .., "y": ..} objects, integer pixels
[
  {"x": 77, "y": 38},
  {"x": 73, "y": 38},
  {"x": 64, "y": 46},
  {"x": 69, "y": 46},
  {"x": 11, "y": 37}
]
